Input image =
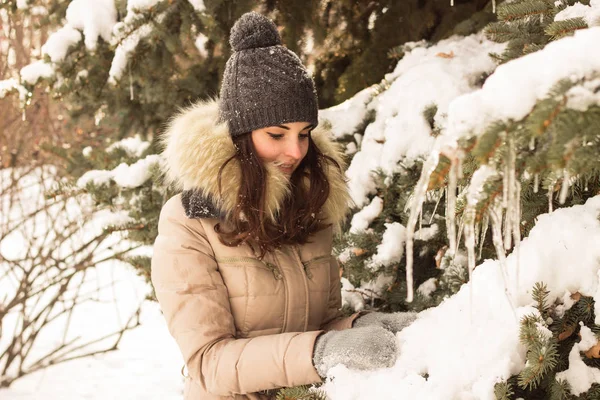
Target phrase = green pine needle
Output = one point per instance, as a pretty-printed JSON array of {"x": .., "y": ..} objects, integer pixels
[
  {"x": 304, "y": 392},
  {"x": 503, "y": 391}
]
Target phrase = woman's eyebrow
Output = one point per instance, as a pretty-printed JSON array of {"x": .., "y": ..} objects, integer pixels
[{"x": 287, "y": 128}]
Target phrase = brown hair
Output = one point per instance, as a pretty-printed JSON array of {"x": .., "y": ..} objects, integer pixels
[{"x": 298, "y": 216}]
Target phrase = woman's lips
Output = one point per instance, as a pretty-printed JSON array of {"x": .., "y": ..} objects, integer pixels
[{"x": 286, "y": 168}]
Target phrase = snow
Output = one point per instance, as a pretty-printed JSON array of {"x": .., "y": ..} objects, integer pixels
[
  {"x": 351, "y": 298},
  {"x": 480, "y": 341},
  {"x": 391, "y": 248},
  {"x": 347, "y": 116},
  {"x": 515, "y": 87},
  {"x": 124, "y": 49},
  {"x": 33, "y": 72},
  {"x": 579, "y": 375},
  {"x": 126, "y": 176},
  {"x": 426, "y": 288},
  {"x": 362, "y": 219},
  {"x": 200, "y": 44},
  {"x": 198, "y": 5},
  {"x": 583, "y": 96},
  {"x": 58, "y": 44},
  {"x": 134, "y": 146},
  {"x": 95, "y": 18},
  {"x": 400, "y": 132},
  {"x": 589, "y": 13},
  {"x": 8, "y": 85}
]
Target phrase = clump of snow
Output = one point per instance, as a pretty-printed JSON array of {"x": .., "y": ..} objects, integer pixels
[
  {"x": 347, "y": 116},
  {"x": 475, "y": 191},
  {"x": 580, "y": 376},
  {"x": 134, "y": 146},
  {"x": 198, "y": 5},
  {"x": 22, "y": 4},
  {"x": 581, "y": 97},
  {"x": 515, "y": 87},
  {"x": 200, "y": 44},
  {"x": 58, "y": 44},
  {"x": 350, "y": 297},
  {"x": 427, "y": 233},
  {"x": 362, "y": 219},
  {"x": 86, "y": 151},
  {"x": 426, "y": 288},
  {"x": 33, "y": 72},
  {"x": 465, "y": 344},
  {"x": 400, "y": 132},
  {"x": 589, "y": 13},
  {"x": 94, "y": 18},
  {"x": 125, "y": 48},
  {"x": 126, "y": 176},
  {"x": 566, "y": 304},
  {"x": 8, "y": 85},
  {"x": 391, "y": 248}
]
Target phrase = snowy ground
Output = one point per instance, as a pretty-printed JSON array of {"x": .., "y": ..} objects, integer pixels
[{"x": 146, "y": 366}]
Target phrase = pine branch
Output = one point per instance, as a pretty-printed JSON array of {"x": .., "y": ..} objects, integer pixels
[{"x": 559, "y": 29}]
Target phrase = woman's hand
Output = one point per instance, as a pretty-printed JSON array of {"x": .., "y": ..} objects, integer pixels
[
  {"x": 393, "y": 322},
  {"x": 365, "y": 348}
]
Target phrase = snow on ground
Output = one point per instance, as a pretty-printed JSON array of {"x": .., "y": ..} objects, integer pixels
[
  {"x": 471, "y": 340},
  {"x": 148, "y": 362},
  {"x": 146, "y": 366}
]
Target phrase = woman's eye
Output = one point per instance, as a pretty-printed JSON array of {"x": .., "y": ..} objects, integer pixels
[
  {"x": 276, "y": 136},
  {"x": 304, "y": 136}
]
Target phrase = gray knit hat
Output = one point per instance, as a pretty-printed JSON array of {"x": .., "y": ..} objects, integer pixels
[{"x": 264, "y": 83}]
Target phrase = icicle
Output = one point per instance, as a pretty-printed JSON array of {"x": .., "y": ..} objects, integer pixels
[
  {"x": 505, "y": 186},
  {"x": 460, "y": 231},
  {"x": 24, "y": 115},
  {"x": 541, "y": 18},
  {"x": 499, "y": 246},
  {"x": 130, "y": 85},
  {"x": 564, "y": 189},
  {"x": 586, "y": 184},
  {"x": 510, "y": 195},
  {"x": 550, "y": 190},
  {"x": 536, "y": 183},
  {"x": 436, "y": 205},
  {"x": 484, "y": 228},
  {"x": 470, "y": 245},
  {"x": 532, "y": 144},
  {"x": 517, "y": 231},
  {"x": 420, "y": 223},
  {"x": 494, "y": 6},
  {"x": 451, "y": 3},
  {"x": 416, "y": 206},
  {"x": 451, "y": 209}
]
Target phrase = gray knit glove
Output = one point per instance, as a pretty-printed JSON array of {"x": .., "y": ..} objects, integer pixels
[
  {"x": 361, "y": 348},
  {"x": 393, "y": 322}
]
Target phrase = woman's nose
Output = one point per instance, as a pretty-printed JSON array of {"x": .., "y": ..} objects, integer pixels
[{"x": 293, "y": 150}]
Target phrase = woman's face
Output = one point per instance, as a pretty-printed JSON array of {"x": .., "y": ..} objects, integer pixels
[{"x": 283, "y": 145}]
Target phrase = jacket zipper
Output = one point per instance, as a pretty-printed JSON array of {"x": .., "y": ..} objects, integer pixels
[{"x": 270, "y": 266}]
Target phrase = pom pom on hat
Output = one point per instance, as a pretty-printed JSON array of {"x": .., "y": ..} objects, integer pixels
[{"x": 253, "y": 30}]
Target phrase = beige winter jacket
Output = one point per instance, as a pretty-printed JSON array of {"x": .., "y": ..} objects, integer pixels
[{"x": 244, "y": 325}]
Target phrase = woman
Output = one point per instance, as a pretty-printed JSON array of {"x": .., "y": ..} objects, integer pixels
[{"x": 242, "y": 264}]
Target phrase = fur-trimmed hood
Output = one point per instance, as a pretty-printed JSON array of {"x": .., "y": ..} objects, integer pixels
[{"x": 196, "y": 145}]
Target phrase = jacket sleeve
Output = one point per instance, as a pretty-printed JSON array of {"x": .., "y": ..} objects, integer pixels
[
  {"x": 334, "y": 319},
  {"x": 195, "y": 304}
]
